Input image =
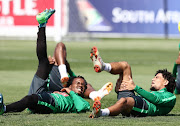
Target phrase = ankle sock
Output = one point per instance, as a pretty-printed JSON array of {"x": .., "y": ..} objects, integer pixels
[
  {"x": 105, "y": 112},
  {"x": 93, "y": 95},
  {"x": 107, "y": 67},
  {"x": 42, "y": 25},
  {"x": 63, "y": 71}
]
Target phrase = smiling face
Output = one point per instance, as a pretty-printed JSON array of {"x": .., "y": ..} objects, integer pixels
[
  {"x": 158, "y": 82},
  {"x": 78, "y": 86}
]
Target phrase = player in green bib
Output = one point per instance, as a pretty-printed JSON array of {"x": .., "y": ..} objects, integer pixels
[
  {"x": 159, "y": 101},
  {"x": 67, "y": 100}
]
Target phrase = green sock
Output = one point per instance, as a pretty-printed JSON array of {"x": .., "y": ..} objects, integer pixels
[{"x": 71, "y": 73}]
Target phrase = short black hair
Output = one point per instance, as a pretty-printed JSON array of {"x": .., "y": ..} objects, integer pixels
[
  {"x": 72, "y": 78},
  {"x": 168, "y": 76}
]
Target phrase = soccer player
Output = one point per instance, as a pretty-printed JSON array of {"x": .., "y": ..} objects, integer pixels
[
  {"x": 160, "y": 101},
  {"x": 67, "y": 100},
  {"x": 58, "y": 76}
]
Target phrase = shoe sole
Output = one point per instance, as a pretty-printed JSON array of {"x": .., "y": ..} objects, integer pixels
[
  {"x": 94, "y": 52},
  {"x": 97, "y": 98},
  {"x": 108, "y": 87},
  {"x": 96, "y": 109},
  {"x": 41, "y": 19},
  {"x": 105, "y": 90}
]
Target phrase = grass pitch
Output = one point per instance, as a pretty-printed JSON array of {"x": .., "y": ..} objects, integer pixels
[{"x": 18, "y": 63}]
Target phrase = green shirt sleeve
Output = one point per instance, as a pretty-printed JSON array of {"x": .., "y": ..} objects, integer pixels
[
  {"x": 151, "y": 97},
  {"x": 80, "y": 104}
]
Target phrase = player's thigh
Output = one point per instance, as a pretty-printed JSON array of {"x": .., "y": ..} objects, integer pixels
[
  {"x": 46, "y": 103},
  {"x": 38, "y": 85},
  {"x": 140, "y": 107}
]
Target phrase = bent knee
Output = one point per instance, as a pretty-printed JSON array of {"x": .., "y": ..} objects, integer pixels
[
  {"x": 60, "y": 45},
  {"x": 31, "y": 99},
  {"x": 126, "y": 64}
]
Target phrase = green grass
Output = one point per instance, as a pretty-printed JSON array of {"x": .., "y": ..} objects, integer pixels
[{"x": 18, "y": 63}]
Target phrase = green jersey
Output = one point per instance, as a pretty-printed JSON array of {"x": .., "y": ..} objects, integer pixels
[
  {"x": 159, "y": 102},
  {"x": 69, "y": 103}
]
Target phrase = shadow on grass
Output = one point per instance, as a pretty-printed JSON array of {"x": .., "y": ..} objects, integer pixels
[{"x": 172, "y": 115}]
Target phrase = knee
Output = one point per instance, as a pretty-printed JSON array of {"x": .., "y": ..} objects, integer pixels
[
  {"x": 60, "y": 46},
  {"x": 30, "y": 100},
  {"x": 126, "y": 65}
]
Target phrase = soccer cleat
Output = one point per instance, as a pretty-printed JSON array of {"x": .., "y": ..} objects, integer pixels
[
  {"x": 43, "y": 17},
  {"x": 105, "y": 90},
  {"x": 96, "y": 59},
  {"x": 1, "y": 104},
  {"x": 96, "y": 112}
]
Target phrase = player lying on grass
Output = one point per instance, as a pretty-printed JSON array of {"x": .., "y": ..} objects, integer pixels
[
  {"x": 67, "y": 100},
  {"x": 160, "y": 101},
  {"x": 41, "y": 100},
  {"x": 58, "y": 76}
]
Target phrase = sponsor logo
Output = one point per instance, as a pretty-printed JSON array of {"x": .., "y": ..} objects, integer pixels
[{"x": 143, "y": 16}]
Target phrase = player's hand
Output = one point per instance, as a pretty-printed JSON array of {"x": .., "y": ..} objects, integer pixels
[
  {"x": 51, "y": 60},
  {"x": 128, "y": 85},
  {"x": 66, "y": 90}
]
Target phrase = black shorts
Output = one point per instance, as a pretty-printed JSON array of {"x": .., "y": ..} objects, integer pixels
[
  {"x": 46, "y": 103},
  {"x": 55, "y": 80},
  {"x": 140, "y": 108},
  {"x": 38, "y": 85},
  {"x": 52, "y": 83},
  {"x": 126, "y": 93}
]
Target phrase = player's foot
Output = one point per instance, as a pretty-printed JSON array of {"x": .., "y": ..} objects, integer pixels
[
  {"x": 64, "y": 81},
  {"x": 105, "y": 90},
  {"x": 1, "y": 104},
  {"x": 96, "y": 112},
  {"x": 96, "y": 59},
  {"x": 43, "y": 17}
]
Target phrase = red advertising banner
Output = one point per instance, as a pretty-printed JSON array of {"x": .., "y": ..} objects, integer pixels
[{"x": 23, "y": 12}]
